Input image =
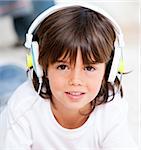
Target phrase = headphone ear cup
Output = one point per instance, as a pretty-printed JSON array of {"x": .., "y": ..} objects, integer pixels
[
  {"x": 29, "y": 63},
  {"x": 115, "y": 65},
  {"x": 121, "y": 68},
  {"x": 35, "y": 55}
]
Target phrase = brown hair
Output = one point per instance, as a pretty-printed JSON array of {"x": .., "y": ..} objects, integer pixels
[{"x": 63, "y": 32}]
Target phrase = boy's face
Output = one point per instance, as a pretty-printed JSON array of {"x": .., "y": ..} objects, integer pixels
[{"x": 73, "y": 87}]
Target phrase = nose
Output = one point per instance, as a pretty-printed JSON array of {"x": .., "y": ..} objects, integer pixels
[{"x": 76, "y": 78}]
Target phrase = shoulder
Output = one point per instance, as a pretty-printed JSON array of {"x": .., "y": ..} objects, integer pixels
[
  {"x": 109, "y": 116},
  {"x": 114, "y": 107},
  {"x": 22, "y": 99},
  {"x": 111, "y": 113},
  {"x": 112, "y": 124},
  {"x": 23, "y": 93}
]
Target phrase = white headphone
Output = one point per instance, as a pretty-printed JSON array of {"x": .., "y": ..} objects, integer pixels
[{"x": 34, "y": 47}]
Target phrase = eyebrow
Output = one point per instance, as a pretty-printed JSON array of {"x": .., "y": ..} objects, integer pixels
[
  {"x": 61, "y": 61},
  {"x": 65, "y": 61},
  {"x": 93, "y": 62}
]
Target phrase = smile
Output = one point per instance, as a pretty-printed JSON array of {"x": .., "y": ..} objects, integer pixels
[{"x": 75, "y": 95}]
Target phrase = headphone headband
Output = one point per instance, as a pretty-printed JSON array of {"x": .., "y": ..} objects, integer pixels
[
  {"x": 33, "y": 45},
  {"x": 58, "y": 7}
]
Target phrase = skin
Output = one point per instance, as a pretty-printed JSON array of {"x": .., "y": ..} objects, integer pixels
[{"x": 73, "y": 88}]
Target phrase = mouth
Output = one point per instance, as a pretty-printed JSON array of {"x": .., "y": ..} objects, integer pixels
[{"x": 75, "y": 95}]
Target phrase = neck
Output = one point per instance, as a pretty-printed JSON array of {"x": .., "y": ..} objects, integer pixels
[{"x": 70, "y": 119}]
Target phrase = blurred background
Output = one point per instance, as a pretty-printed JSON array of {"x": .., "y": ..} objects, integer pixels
[{"x": 17, "y": 15}]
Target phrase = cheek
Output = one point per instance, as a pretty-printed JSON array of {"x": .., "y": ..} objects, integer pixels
[
  {"x": 95, "y": 81},
  {"x": 55, "y": 81},
  {"x": 95, "y": 87},
  {"x": 95, "y": 84}
]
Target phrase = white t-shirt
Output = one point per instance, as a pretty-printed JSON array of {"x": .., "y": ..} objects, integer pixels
[{"x": 29, "y": 124}]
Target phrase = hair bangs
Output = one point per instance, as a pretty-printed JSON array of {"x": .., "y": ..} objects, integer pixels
[{"x": 64, "y": 35}]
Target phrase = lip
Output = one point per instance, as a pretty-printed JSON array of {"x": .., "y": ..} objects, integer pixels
[{"x": 75, "y": 95}]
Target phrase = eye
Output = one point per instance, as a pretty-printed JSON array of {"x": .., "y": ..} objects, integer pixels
[
  {"x": 89, "y": 68},
  {"x": 62, "y": 67}
]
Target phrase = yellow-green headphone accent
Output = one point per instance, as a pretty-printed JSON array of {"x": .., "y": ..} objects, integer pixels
[
  {"x": 29, "y": 63},
  {"x": 121, "y": 67}
]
